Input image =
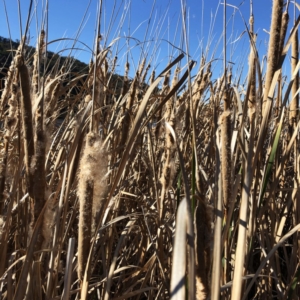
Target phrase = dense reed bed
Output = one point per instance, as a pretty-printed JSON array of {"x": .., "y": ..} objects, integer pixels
[{"x": 160, "y": 186}]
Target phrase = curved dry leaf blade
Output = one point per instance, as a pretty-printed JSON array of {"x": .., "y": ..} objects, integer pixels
[{"x": 178, "y": 280}]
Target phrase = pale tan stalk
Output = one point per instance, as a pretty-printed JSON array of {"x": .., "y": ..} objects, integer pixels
[
  {"x": 293, "y": 119},
  {"x": 237, "y": 287},
  {"x": 165, "y": 90},
  {"x": 295, "y": 97},
  {"x": 104, "y": 81},
  {"x": 216, "y": 262}
]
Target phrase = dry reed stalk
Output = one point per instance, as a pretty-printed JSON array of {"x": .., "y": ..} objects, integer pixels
[
  {"x": 206, "y": 79},
  {"x": 226, "y": 169},
  {"x": 38, "y": 165},
  {"x": 168, "y": 169},
  {"x": 125, "y": 85},
  {"x": 202, "y": 249},
  {"x": 200, "y": 83},
  {"x": 274, "y": 46},
  {"x": 49, "y": 219},
  {"x": 226, "y": 150},
  {"x": 127, "y": 109},
  {"x": 10, "y": 124},
  {"x": 36, "y": 63},
  {"x": 216, "y": 263},
  {"x": 293, "y": 119},
  {"x": 27, "y": 126},
  {"x": 84, "y": 230},
  {"x": 278, "y": 104},
  {"x": 284, "y": 27},
  {"x": 141, "y": 69},
  {"x": 98, "y": 87},
  {"x": 104, "y": 81},
  {"x": 152, "y": 77},
  {"x": 8, "y": 85},
  {"x": 164, "y": 91},
  {"x": 179, "y": 265},
  {"x": 295, "y": 97},
  {"x": 252, "y": 75},
  {"x": 51, "y": 112},
  {"x": 226, "y": 179},
  {"x": 143, "y": 77}
]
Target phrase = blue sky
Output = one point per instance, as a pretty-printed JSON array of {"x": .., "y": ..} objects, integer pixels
[{"x": 65, "y": 17}]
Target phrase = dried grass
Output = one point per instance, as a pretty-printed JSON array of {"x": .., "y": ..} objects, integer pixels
[{"x": 152, "y": 187}]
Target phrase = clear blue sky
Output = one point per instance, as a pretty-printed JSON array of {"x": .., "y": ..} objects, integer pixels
[{"x": 65, "y": 17}]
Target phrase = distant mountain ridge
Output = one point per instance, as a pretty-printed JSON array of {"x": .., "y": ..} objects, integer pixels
[{"x": 6, "y": 57}]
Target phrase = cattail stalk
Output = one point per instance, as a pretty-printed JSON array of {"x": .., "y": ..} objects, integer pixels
[
  {"x": 169, "y": 163},
  {"x": 226, "y": 167},
  {"x": 36, "y": 62},
  {"x": 10, "y": 123},
  {"x": 202, "y": 249},
  {"x": 293, "y": 118},
  {"x": 84, "y": 231},
  {"x": 252, "y": 75},
  {"x": 38, "y": 164},
  {"x": 8, "y": 85},
  {"x": 26, "y": 113},
  {"x": 295, "y": 97},
  {"x": 127, "y": 107},
  {"x": 165, "y": 90},
  {"x": 274, "y": 46},
  {"x": 226, "y": 153}
]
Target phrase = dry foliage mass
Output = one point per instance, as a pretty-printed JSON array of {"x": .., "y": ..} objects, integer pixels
[{"x": 160, "y": 186}]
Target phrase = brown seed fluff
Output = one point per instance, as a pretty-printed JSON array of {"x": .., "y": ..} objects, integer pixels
[{"x": 91, "y": 190}]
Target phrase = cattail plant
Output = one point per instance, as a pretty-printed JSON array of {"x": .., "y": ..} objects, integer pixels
[
  {"x": 252, "y": 103},
  {"x": 202, "y": 223},
  {"x": 169, "y": 168},
  {"x": 27, "y": 125},
  {"x": 37, "y": 62},
  {"x": 91, "y": 190},
  {"x": 274, "y": 47},
  {"x": 295, "y": 97},
  {"x": 94, "y": 166}
]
